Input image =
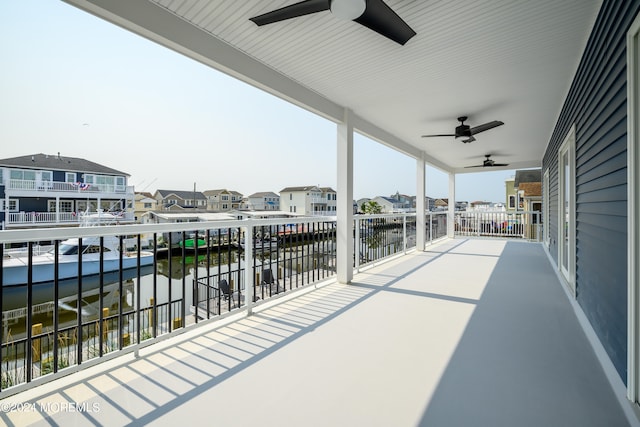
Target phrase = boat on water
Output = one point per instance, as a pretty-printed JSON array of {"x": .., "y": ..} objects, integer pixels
[{"x": 15, "y": 269}]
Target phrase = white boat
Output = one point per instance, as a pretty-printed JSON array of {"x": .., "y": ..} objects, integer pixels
[{"x": 15, "y": 268}]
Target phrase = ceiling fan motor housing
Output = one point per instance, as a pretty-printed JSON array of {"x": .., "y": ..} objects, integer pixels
[{"x": 463, "y": 131}]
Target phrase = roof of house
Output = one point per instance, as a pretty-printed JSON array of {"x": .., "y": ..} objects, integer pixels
[
  {"x": 527, "y": 175},
  {"x": 307, "y": 188},
  {"x": 263, "y": 194},
  {"x": 182, "y": 194},
  {"x": 327, "y": 190},
  {"x": 220, "y": 191},
  {"x": 531, "y": 189},
  {"x": 57, "y": 162},
  {"x": 145, "y": 194}
]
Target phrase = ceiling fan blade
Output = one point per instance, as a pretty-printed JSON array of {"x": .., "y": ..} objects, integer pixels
[
  {"x": 486, "y": 126},
  {"x": 501, "y": 164},
  {"x": 383, "y": 20},
  {"x": 471, "y": 139},
  {"x": 292, "y": 11},
  {"x": 476, "y": 166},
  {"x": 434, "y": 136}
]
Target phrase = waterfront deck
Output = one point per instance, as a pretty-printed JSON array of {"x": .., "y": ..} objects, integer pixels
[{"x": 471, "y": 332}]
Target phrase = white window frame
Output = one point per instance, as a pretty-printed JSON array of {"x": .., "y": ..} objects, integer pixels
[
  {"x": 567, "y": 148},
  {"x": 52, "y": 205},
  {"x": 633, "y": 210},
  {"x": 14, "y": 202},
  {"x": 546, "y": 206},
  {"x": 70, "y": 177}
]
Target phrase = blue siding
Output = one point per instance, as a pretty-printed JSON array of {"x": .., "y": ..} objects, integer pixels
[
  {"x": 597, "y": 105},
  {"x": 59, "y": 176}
]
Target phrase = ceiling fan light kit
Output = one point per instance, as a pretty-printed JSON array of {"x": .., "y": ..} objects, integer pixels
[{"x": 348, "y": 9}]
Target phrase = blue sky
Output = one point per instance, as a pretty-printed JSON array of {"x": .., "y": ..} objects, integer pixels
[{"x": 74, "y": 84}]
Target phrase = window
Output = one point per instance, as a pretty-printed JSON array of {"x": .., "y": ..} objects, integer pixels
[
  {"x": 512, "y": 202},
  {"x": 65, "y": 206},
  {"x": 23, "y": 175},
  {"x": 1, "y": 176},
  {"x": 70, "y": 177},
  {"x": 12, "y": 206},
  {"x": 225, "y": 206},
  {"x": 536, "y": 207},
  {"x": 521, "y": 200},
  {"x": 566, "y": 209},
  {"x": 225, "y": 198},
  {"x": 148, "y": 205}
]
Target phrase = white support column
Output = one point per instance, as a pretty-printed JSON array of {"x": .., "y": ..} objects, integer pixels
[
  {"x": 344, "y": 238},
  {"x": 420, "y": 204},
  {"x": 452, "y": 205}
]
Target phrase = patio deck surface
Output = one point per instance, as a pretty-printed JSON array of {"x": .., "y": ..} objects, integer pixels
[{"x": 469, "y": 333}]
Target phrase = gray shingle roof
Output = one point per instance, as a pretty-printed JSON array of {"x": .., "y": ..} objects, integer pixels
[
  {"x": 185, "y": 195},
  {"x": 306, "y": 188},
  {"x": 527, "y": 175},
  {"x": 263, "y": 194},
  {"x": 56, "y": 162}
]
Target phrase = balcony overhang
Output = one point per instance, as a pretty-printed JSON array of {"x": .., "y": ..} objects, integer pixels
[{"x": 512, "y": 62}]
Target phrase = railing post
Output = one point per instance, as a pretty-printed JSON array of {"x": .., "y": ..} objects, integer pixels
[
  {"x": 249, "y": 279},
  {"x": 430, "y": 228},
  {"x": 404, "y": 233},
  {"x": 356, "y": 244}
]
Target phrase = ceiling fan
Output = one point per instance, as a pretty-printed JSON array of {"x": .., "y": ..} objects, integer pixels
[
  {"x": 466, "y": 132},
  {"x": 373, "y": 14},
  {"x": 488, "y": 163}
]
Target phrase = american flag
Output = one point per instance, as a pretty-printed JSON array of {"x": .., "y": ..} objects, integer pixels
[{"x": 82, "y": 185}]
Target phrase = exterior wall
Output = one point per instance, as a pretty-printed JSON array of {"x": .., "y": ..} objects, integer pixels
[{"x": 596, "y": 105}]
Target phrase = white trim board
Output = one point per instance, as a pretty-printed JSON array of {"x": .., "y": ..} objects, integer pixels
[{"x": 633, "y": 210}]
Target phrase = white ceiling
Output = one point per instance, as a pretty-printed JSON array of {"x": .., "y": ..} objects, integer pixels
[{"x": 508, "y": 60}]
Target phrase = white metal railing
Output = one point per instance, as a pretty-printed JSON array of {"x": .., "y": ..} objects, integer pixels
[
  {"x": 66, "y": 187},
  {"x": 519, "y": 224},
  {"x": 191, "y": 262},
  {"x": 52, "y": 218}
]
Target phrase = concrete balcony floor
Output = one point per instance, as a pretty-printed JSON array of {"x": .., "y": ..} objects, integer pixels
[{"x": 469, "y": 333}]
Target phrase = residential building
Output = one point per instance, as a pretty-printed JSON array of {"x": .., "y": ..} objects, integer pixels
[
  {"x": 360, "y": 202},
  {"x": 528, "y": 184},
  {"x": 440, "y": 204},
  {"x": 309, "y": 200},
  {"x": 392, "y": 205},
  {"x": 45, "y": 190},
  {"x": 144, "y": 202},
  {"x": 223, "y": 200},
  {"x": 330, "y": 196},
  {"x": 263, "y": 201},
  {"x": 172, "y": 200},
  {"x": 480, "y": 205}
]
